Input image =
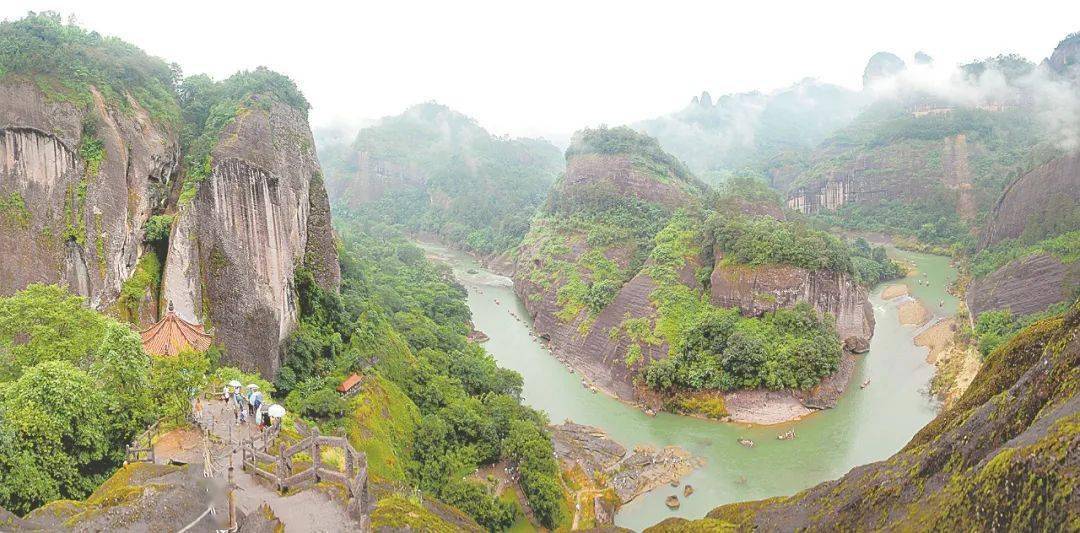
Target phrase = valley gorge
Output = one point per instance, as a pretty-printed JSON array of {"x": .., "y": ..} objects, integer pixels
[{"x": 813, "y": 308}]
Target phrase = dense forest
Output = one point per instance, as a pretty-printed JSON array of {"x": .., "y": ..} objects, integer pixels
[
  {"x": 445, "y": 176},
  {"x": 402, "y": 322}
]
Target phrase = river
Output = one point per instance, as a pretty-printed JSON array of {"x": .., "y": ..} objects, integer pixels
[{"x": 866, "y": 425}]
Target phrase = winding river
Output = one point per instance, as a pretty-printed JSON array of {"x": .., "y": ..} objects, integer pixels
[{"x": 867, "y": 425}]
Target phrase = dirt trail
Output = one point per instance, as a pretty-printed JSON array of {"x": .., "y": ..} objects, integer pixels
[{"x": 304, "y": 511}]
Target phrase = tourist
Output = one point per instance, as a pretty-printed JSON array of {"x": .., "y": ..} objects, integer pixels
[
  {"x": 256, "y": 401},
  {"x": 225, "y": 394}
]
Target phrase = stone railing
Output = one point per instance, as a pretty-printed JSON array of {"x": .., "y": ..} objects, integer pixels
[{"x": 254, "y": 453}]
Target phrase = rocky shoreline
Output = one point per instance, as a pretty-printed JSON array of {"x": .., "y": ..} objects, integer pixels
[{"x": 598, "y": 464}]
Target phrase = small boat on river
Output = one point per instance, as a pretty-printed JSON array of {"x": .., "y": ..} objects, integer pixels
[
  {"x": 747, "y": 443},
  {"x": 865, "y": 384},
  {"x": 788, "y": 435}
]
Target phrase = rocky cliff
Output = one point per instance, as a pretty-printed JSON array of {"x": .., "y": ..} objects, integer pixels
[
  {"x": 1027, "y": 285},
  {"x": 1033, "y": 202},
  {"x": 1005, "y": 457},
  {"x": 260, "y": 214},
  {"x": 588, "y": 270},
  {"x": 756, "y": 290},
  {"x": 77, "y": 182},
  {"x": 115, "y": 174},
  {"x": 1040, "y": 204}
]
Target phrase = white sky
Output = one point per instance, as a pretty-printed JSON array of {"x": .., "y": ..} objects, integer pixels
[{"x": 551, "y": 67}]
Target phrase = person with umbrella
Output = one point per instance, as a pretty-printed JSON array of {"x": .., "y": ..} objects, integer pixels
[{"x": 276, "y": 413}]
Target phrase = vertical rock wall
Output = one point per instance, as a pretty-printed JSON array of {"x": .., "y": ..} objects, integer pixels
[
  {"x": 260, "y": 215},
  {"x": 61, "y": 221}
]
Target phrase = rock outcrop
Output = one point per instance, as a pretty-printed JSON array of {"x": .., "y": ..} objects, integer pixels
[
  {"x": 756, "y": 290},
  {"x": 1024, "y": 286},
  {"x": 64, "y": 218},
  {"x": 260, "y": 214},
  {"x": 562, "y": 258},
  {"x": 79, "y": 180},
  {"x": 1039, "y": 204},
  {"x": 629, "y": 473},
  {"x": 1038, "y": 197},
  {"x": 1005, "y": 457}
]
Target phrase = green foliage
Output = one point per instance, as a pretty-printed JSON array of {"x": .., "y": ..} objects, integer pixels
[
  {"x": 530, "y": 448},
  {"x": 13, "y": 210},
  {"x": 46, "y": 323},
  {"x": 473, "y": 189},
  {"x": 322, "y": 404},
  {"x": 994, "y": 328},
  {"x": 91, "y": 149},
  {"x": 68, "y": 61},
  {"x": 784, "y": 349},
  {"x": 56, "y": 412},
  {"x": 1065, "y": 247},
  {"x": 621, "y": 140},
  {"x": 715, "y": 348},
  {"x": 147, "y": 275},
  {"x": 175, "y": 380},
  {"x": 156, "y": 229},
  {"x": 432, "y": 407},
  {"x": 764, "y": 240},
  {"x": 872, "y": 265}
]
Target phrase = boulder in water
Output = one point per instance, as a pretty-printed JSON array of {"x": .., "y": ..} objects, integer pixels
[
  {"x": 687, "y": 490},
  {"x": 672, "y": 502}
]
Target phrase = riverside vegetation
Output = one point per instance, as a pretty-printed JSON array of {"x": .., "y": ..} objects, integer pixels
[{"x": 710, "y": 347}]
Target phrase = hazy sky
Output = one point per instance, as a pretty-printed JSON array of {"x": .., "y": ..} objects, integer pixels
[{"x": 551, "y": 67}]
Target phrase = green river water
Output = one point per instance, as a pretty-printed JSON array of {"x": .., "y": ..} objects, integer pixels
[{"x": 867, "y": 425}]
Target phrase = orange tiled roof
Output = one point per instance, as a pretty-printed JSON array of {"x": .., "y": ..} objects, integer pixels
[
  {"x": 172, "y": 334},
  {"x": 349, "y": 383}
]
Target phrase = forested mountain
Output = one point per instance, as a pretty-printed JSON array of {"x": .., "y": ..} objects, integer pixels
[
  {"x": 640, "y": 275},
  {"x": 433, "y": 170},
  {"x": 750, "y": 130}
]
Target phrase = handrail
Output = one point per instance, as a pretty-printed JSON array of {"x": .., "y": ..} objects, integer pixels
[{"x": 354, "y": 476}]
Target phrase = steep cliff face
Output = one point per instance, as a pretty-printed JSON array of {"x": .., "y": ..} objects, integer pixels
[
  {"x": 1024, "y": 286},
  {"x": 99, "y": 190},
  {"x": 1006, "y": 457},
  {"x": 77, "y": 183},
  {"x": 259, "y": 215},
  {"x": 756, "y": 290},
  {"x": 1039, "y": 205},
  {"x": 374, "y": 179},
  {"x": 1036, "y": 198}
]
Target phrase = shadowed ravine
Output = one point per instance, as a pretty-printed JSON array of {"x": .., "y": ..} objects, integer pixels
[{"x": 867, "y": 425}]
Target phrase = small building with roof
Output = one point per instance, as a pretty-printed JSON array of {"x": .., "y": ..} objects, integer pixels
[
  {"x": 350, "y": 386},
  {"x": 172, "y": 335}
]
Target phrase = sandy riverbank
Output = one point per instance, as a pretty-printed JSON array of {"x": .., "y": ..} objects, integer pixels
[
  {"x": 894, "y": 291},
  {"x": 764, "y": 407},
  {"x": 913, "y": 313},
  {"x": 956, "y": 364}
]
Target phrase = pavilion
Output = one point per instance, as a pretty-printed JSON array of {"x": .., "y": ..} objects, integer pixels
[{"x": 172, "y": 335}]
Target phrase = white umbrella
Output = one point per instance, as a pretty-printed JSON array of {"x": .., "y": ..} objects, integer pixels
[
  {"x": 252, "y": 386},
  {"x": 276, "y": 411},
  {"x": 234, "y": 383}
]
